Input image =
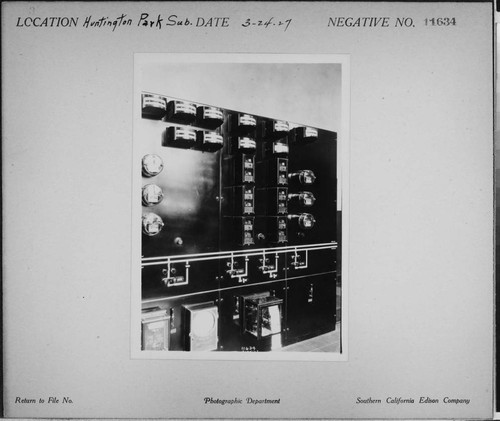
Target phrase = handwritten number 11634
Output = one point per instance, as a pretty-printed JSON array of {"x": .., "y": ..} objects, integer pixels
[{"x": 267, "y": 23}]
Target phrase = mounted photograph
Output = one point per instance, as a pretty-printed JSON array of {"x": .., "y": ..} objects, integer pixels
[{"x": 240, "y": 202}]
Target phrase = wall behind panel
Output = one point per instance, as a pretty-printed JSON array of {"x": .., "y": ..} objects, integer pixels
[{"x": 301, "y": 93}]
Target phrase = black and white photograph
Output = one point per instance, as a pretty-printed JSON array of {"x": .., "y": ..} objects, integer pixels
[
  {"x": 249, "y": 210},
  {"x": 241, "y": 210}
]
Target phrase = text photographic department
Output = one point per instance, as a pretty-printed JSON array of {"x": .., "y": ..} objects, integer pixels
[{"x": 240, "y": 229}]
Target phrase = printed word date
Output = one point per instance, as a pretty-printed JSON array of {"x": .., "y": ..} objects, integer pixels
[
  {"x": 271, "y": 22},
  {"x": 440, "y": 21}
]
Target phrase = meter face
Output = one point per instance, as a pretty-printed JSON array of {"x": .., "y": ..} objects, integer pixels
[
  {"x": 152, "y": 224},
  {"x": 154, "y": 101},
  {"x": 246, "y": 120},
  {"x": 182, "y": 133},
  {"x": 212, "y": 137},
  {"x": 184, "y": 107},
  {"x": 203, "y": 323},
  {"x": 213, "y": 112},
  {"x": 152, "y": 165},
  {"x": 280, "y": 126},
  {"x": 310, "y": 132},
  {"x": 151, "y": 195}
]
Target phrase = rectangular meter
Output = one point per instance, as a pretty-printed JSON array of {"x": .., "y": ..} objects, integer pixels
[
  {"x": 183, "y": 112},
  {"x": 201, "y": 326},
  {"x": 179, "y": 137},
  {"x": 155, "y": 329}
]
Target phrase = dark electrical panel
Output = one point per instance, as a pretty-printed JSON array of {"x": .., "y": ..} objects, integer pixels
[{"x": 239, "y": 229}]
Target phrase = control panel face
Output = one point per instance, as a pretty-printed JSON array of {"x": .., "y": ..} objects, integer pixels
[{"x": 235, "y": 208}]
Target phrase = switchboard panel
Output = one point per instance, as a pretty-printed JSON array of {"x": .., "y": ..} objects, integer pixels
[{"x": 239, "y": 228}]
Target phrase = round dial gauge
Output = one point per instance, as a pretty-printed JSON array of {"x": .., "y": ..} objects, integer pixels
[
  {"x": 151, "y": 195},
  {"x": 152, "y": 224},
  {"x": 203, "y": 323},
  {"x": 152, "y": 165}
]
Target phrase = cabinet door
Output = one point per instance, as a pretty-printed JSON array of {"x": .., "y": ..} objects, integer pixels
[{"x": 310, "y": 309}]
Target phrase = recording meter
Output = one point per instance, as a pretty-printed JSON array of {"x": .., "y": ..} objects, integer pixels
[
  {"x": 201, "y": 326},
  {"x": 151, "y": 165},
  {"x": 155, "y": 329},
  {"x": 262, "y": 314}
]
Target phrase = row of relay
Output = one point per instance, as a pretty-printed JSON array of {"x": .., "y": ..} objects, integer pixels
[
  {"x": 246, "y": 200},
  {"x": 257, "y": 316},
  {"x": 242, "y": 219},
  {"x": 243, "y": 201},
  {"x": 244, "y": 129}
]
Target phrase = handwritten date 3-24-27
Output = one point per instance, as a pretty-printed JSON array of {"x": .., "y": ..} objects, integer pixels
[{"x": 271, "y": 22}]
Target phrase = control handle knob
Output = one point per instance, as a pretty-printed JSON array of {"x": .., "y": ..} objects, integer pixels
[
  {"x": 304, "y": 220},
  {"x": 305, "y": 198},
  {"x": 305, "y": 177}
]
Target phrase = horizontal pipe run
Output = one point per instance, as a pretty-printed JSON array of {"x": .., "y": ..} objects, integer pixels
[{"x": 229, "y": 255}]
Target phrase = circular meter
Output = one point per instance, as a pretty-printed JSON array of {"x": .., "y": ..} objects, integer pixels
[
  {"x": 151, "y": 165},
  {"x": 151, "y": 195},
  {"x": 152, "y": 224},
  {"x": 203, "y": 324}
]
